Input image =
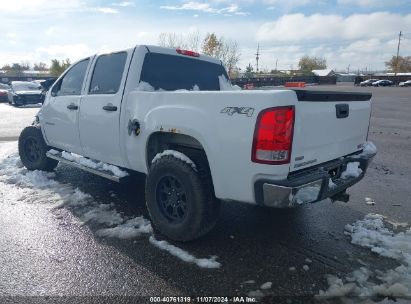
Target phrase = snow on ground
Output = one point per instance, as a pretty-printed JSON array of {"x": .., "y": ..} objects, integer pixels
[
  {"x": 14, "y": 120},
  {"x": 18, "y": 185},
  {"x": 372, "y": 233},
  {"x": 266, "y": 285},
  {"x": 184, "y": 255}
]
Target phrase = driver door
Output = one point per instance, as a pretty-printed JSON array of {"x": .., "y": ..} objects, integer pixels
[{"x": 61, "y": 112}]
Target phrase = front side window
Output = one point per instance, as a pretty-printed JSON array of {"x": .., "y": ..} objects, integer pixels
[
  {"x": 108, "y": 73},
  {"x": 72, "y": 82}
]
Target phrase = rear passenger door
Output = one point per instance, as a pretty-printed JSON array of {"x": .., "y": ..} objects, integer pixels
[{"x": 99, "y": 116}]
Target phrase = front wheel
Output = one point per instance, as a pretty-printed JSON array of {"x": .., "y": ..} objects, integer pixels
[
  {"x": 180, "y": 199},
  {"x": 32, "y": 150}
]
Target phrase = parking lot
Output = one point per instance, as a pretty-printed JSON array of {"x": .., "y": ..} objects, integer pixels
[{"x": 46, "y": 248}]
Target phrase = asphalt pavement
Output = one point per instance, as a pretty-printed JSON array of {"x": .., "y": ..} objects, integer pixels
[{"x": 46, "y": 251}]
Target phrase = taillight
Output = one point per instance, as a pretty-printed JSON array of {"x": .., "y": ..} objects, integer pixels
[
  {"x": 187, "y": 53},
  {"x": 273, "y": 136}
]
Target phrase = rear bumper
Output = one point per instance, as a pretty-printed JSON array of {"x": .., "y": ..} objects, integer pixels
[{"x": 310, "y": 185}]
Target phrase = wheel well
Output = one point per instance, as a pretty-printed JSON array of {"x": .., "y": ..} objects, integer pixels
[{"x": 186, "y": 144}]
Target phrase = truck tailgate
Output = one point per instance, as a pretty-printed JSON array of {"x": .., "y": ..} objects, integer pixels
[{"x": 328, "y": 125}]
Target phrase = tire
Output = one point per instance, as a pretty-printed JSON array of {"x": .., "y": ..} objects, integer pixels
[
  {"x": 180, "y": 200},
  {"x": 32, "y": 150}
]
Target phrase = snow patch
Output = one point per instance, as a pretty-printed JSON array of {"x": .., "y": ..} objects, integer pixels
[
  {"x": 306, "y": 194},
  {"x": 184, "y": 255},
  {"x": 352, "y": 170},
  {"x": 86, "y": 162},
  {"x": 129, "y": 230},
  {"x": 369, "y": 149},
  {"x": 225, "y": 84},
  {"x": 331, "y": 184},
  {"x": 266, "y": 285},
  {"x": 177, "y": 155},
  {"x": 372, "y": 233},
  {"x": 145, "y": 87},
  {"x": 369, "y": 201}
]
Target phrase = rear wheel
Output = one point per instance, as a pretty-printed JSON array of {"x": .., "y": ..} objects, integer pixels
[
  {"x": 180, "y": 200},
  {"x": 32, "y": 150}
]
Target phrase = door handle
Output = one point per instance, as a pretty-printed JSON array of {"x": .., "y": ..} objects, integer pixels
[
  {"x": 110, "y": 107},
  {"x": 72, "y": 106}
]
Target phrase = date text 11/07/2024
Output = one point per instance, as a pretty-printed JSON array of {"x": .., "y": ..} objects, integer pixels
[{"x": 238, "y": 299}]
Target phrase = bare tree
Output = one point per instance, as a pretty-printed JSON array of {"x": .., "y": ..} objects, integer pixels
[
  {"x": 225, "y": 50},
  {"x": 189, "y": 41},
  {"x": 193, "y": 41}
]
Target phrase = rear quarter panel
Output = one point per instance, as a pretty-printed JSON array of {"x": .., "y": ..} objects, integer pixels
[{"x": 226, "y": 139}]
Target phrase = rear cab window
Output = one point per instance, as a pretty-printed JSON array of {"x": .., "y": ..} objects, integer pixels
[{"x": 171, "y": 73}]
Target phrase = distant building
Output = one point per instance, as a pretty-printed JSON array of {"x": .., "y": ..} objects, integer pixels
[
  {"x": 323, "y": 73},
  {"x": 393, "y": 74},
  {"x": 345, "y": 77}
]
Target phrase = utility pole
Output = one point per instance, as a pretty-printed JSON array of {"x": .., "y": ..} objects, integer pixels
[
  {"x": 257, "y": 55},
  {"x": 398, "y": 53},
  {"x": 276, "y": 62}
]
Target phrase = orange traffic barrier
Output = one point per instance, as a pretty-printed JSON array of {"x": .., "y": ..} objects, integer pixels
[
  {"x": 248, "y": 86},
  {"x": 296, "y": 84}
]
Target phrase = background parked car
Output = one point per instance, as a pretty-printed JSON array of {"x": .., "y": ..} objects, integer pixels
[
  {"x": 368, "y": 82},
  {"x": 383, "y": 83},
  {"x": 4, "y": 89},
  {"x": 405, "y": 83},
  {"x": 25, "y": 92}
]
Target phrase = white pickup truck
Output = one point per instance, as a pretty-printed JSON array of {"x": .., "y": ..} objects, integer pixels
[{"x": 173, "y": 115}]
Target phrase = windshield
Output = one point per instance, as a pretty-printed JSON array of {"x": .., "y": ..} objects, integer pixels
[
  {"x": 25, "y": 86},
  {"x": 172, "y": 73}
]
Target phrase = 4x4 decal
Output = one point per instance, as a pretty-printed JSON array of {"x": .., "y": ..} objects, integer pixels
[{"x": 238, "y": 110}]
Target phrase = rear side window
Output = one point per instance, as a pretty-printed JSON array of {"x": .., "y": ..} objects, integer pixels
[
  {"x": 72, "y": 82},
  {"x": 108, "y": 73},
  {"x": 172, "y": 73}
]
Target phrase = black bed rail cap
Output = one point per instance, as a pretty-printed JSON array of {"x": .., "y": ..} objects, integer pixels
[{"x": 331, "y": 96}]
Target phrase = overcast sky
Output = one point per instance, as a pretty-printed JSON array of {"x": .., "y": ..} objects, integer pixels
[{"x": 359, "y": 33}]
